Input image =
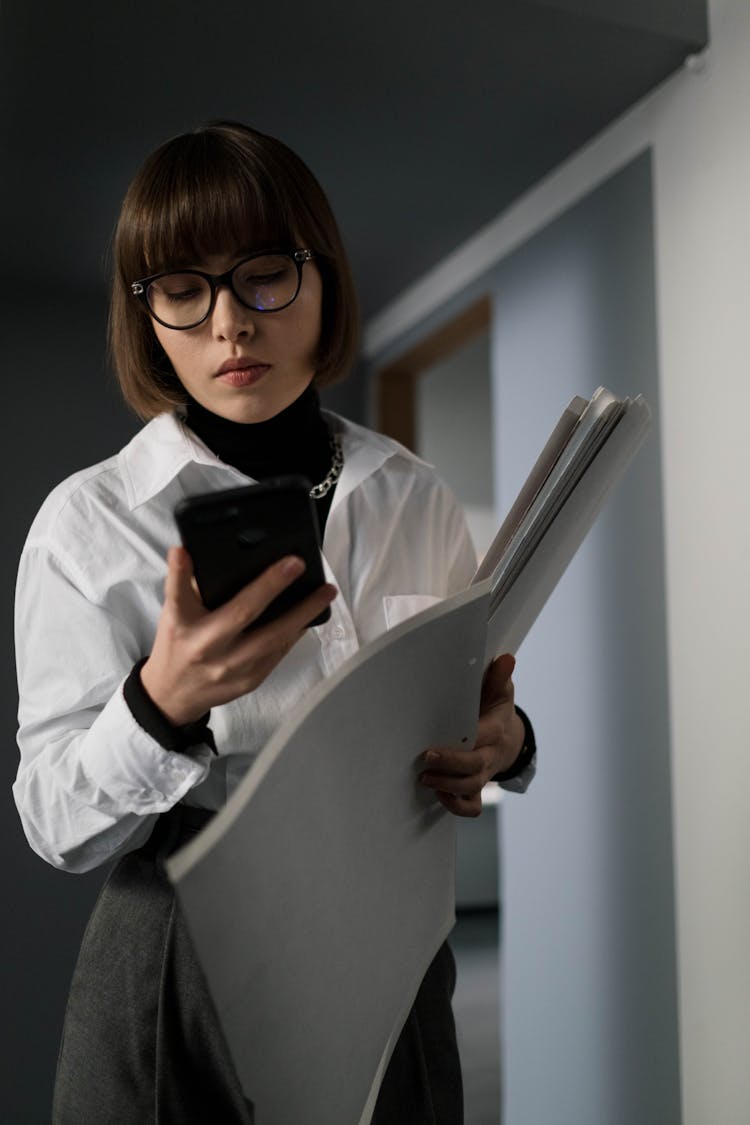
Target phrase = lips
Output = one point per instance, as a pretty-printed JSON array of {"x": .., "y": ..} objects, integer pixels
[
  {"x": 241, "y": 363},
  {"x": 242, "y": 371}
]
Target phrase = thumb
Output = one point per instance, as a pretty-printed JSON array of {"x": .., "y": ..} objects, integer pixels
[
  {"x": 498, "y": 685},
  {"x": 180, "y": 590}
]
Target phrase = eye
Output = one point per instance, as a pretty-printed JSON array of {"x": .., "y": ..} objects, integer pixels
[
  {"x": 176, "y": 296},
  {"x": 178, "y": 287},
  {"x": 269, "y": 269},
  {"x": 266, "y": 282},
  {"x": 266, "y": 277}
]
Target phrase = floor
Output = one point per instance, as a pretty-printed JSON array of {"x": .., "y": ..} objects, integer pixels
[{"x": 474, "y": 941}]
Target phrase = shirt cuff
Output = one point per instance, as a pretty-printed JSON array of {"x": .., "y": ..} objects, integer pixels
[
  {"x": 155, "y": 722},
  {"x": 123, "y": 769},
  {"x": 519, "y": 775}
]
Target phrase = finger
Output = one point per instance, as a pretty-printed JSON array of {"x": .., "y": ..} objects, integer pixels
[
  {"x": 461, "y": 806},
  {"x": 458, "y": 763},
  {"x": 290, "y": 626},
  {"x": 248, "y": 604},
  {"x": 277, "y": 637},
  {"x": 497, "y": 686},
  {"x": 459, "y": 786},
  {"x": 300, "y": 615},
  {"x": 180, "y": 590}
]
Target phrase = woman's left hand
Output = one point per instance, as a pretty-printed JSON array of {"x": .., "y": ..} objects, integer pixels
[{"x": 458, "y": 776}]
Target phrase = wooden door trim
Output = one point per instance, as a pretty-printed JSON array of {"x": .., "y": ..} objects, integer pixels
[{"x": 395, "y": 384}]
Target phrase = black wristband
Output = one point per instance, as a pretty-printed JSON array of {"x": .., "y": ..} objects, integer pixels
[
  {"x": 528, "y": 750},
  {"x": 155, "y": 722}
]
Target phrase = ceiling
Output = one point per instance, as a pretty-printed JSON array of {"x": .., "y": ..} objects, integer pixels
[{"x": 422, "y": 120}]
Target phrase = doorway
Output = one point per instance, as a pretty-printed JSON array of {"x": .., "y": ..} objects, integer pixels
[{"x": 436, "y": 400}]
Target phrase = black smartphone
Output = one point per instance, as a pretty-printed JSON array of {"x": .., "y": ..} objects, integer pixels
[{"x": 234, "y": 535}]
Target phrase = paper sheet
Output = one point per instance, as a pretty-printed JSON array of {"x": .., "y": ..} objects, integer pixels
[{"x": 552, "y": 542}]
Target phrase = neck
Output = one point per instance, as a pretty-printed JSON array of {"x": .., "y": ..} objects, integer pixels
[{"x": 295, "y": 440}]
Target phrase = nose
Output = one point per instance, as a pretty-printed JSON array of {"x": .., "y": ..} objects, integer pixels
[{"x": 230, "y": 320}]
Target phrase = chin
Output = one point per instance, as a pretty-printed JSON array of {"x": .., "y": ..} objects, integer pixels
[{"x": 252, "y": 410}]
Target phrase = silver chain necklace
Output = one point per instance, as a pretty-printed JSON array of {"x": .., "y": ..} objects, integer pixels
[{"x": 337, "y": 464}]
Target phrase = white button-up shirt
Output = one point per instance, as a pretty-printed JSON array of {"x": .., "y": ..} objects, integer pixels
[{"x": 90, "y": 587}]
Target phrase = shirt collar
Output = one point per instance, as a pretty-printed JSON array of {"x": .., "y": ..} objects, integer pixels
[
  {"x": 157, "y": 454},
  {"x": 365, "y": 451},
  {"x": 165, "y": 446}
]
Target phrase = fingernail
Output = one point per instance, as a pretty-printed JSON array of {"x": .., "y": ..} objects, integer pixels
[
  {"x": 332, "y": 591},
  {"x": 432, "y": 756},
  {"x": 292, "y": 566}
]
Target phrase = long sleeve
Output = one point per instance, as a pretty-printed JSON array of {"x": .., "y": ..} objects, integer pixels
[{"x": 90, "y": 780}]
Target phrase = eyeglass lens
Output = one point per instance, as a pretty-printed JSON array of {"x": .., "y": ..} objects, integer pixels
[{"x": 265, "y": 283}]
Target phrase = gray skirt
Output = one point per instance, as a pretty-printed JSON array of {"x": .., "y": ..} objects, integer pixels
[{"x": 141, "y": 1041}]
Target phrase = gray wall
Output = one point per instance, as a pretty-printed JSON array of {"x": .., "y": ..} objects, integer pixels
[
  {"x": 589, "y": 984},
  {"x": 453, "y": 431},
  {"x": 454, "y": 420},
  {"x": 63, "y": 412}
]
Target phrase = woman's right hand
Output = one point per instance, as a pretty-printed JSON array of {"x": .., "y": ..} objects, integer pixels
[{"x": 202, "y": 658}]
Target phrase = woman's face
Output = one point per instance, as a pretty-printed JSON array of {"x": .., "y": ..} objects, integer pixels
[{"x": 273, "y": 352}]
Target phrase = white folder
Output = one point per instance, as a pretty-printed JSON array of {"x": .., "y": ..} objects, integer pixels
[{"x": 317, "y": 897}]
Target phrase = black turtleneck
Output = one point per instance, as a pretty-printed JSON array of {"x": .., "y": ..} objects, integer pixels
[{"x": 294, "y": 441}]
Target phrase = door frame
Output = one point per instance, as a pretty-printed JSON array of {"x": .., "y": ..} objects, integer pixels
[{"x": 396, "y": 381}]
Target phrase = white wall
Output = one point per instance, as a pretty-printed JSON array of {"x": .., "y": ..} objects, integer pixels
[
  {"x": 701, "y": 144},
  {"x": 696, "y": 127}
]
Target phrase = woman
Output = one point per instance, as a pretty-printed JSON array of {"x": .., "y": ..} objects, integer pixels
[{"x": 140, "y": 710}]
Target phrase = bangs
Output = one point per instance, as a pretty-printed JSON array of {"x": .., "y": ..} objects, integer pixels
[{"x": 197, "y": 196}]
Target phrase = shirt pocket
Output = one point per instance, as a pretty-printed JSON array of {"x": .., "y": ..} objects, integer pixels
[{"x": 400, "y": 607}]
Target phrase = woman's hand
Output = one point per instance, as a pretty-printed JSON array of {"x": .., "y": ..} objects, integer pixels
[
  {"x": 458, "y": 776},
  {"x": 202, "y": 658}
]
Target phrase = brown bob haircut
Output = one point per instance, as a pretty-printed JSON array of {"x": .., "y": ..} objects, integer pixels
[{"x": 221, "y": 188}]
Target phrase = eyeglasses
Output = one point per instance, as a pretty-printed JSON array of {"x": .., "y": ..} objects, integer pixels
[{"x": 265, "y": 282}]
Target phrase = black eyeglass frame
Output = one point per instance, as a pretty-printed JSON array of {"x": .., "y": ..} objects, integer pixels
[{"x": 299, "y": 257}]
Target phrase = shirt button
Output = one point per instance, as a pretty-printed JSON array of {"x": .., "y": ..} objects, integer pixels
[{"x": 338, "y": 633}]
